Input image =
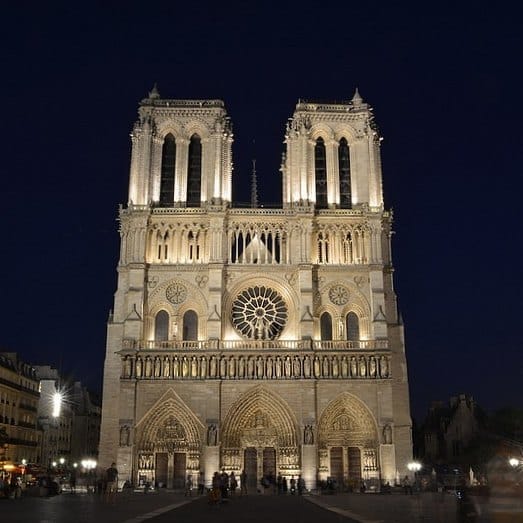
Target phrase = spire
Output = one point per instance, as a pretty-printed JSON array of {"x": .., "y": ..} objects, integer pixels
[
  {"x": 153, "y": 93},
  {"x": 357, "y": 99},
  {"x": 254, "y": 186}
]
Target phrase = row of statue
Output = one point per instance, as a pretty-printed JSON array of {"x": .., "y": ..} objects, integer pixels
[{"x": 256, "y": 367}]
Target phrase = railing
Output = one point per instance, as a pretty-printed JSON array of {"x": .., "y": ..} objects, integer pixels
[{"x": 249, "y": 345}]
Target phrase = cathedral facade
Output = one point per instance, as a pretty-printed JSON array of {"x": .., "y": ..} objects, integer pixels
[{"x": 258, "y": 339}]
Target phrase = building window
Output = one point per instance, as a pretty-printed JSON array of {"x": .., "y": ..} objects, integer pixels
[
  {"x": 167, "y": 171},
  {"x": 344, "y": 170},
  {"x": 190, "y": 326},
  {"x": 194, "y": 173},
  {"x": 161, "y": 326},
  {"x": 320, "y": 169},
  {"x": 326, "y": 326},
  {"x": 353, "y": 327}
]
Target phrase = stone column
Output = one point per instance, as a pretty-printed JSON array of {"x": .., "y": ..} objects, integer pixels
[{"x": 309, "y": 465}]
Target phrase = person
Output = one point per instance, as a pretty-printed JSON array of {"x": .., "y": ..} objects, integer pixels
[
  {"x": 111, "y": 477},
  {"x": 188, "y": 486},
  {"x": 407, "y": 487},
  {"x": 233, "y": 483},
  {"x": 72, "y": 481},
  {"x": 224, "y": 484},
  {"x": 201, "y": 483},
  {"x": 301, "y": 485},
  {"x": 293, "y": 485},
  {"x": 243, "y": 482},
  {"x": 279, "y": 484},
  {"x": 214, "y": 492},
  {"x": 284, "y": 485}
]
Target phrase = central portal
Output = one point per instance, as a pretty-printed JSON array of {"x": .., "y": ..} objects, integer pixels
[{"x": 259, "y": 463}]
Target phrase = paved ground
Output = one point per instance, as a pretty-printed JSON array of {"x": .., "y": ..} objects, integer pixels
[{"x": 165, "y": 506}]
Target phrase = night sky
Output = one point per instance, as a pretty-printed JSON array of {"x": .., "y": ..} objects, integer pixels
[{"x": 445, "y": 84}]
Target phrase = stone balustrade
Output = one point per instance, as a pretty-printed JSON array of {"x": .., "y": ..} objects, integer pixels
[{"x": 249, "y": 345}]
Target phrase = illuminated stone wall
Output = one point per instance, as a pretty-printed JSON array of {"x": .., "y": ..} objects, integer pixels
[{"x": 266, "y": 339}]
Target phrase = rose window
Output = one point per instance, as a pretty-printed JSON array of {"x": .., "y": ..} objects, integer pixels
[
  {"x": 338, "y": 295},
  {"x": 176, "y": 293},
  {"x": 259, "y": 313}
]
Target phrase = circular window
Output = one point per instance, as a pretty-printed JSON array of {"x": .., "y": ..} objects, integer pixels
[
  {"x": 339, "y": 295},
  {"x": 176, "y": 293},
  {"x": 259, "y": 313}
]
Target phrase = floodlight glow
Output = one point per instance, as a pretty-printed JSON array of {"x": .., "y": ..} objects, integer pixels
[
  {"x": 57, "y": 404},
  {"x": 513, "y": 462},
  {"x": 414, "y": 466}
]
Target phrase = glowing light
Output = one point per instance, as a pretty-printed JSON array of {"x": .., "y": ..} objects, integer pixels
[
  {"x": 62, "y": 461},
  {"x": 24, "y": 462},
  {"x": 414, "y": 466},
  {"x": 88, "y": 464},
  {"x": 513, "y": 462},
  {"x": 57, "y": 404},
  {"x": 53, "y": 464}
]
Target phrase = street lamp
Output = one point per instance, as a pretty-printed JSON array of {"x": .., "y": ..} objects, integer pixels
[
  {"x": 415, "y": 467},
  {"x": 514, "y": 462}
]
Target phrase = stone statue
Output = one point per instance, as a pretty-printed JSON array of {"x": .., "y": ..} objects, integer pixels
[
  {"x": 308, "y": 435},
  {"x": 387, "y": 434},
  {"x": 212, "y": 435}
]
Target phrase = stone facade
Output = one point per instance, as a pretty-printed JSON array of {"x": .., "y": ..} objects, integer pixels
[{"x": 260, "y": 339}]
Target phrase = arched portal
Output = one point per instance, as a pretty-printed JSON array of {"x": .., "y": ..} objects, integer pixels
[
  {"x": 348, "y": 441},
  {"x": 168, "y": 443},
  {"x": 259, "y": 435}
]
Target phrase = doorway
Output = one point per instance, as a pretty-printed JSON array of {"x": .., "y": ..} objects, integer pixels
[
  {"x": 162, "y": 461},
  {"x": 179, "y": 469},
  {"x": 251, "y": 466}
]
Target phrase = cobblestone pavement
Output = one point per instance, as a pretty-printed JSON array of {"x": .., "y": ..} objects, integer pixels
[{"x": 166, "y": 506}]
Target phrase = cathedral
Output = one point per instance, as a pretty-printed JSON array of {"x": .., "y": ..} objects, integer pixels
[{"x": 255, "y": 338}]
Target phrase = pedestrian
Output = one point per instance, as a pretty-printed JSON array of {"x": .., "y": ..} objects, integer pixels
[
  {"x": 201, "y": 483},
  {"x": 224, "y": 484},
  {"x": 284, "y": 485},
  {"x": 407, "y": 486},
  {"x": 111, "y": 478},
  {"x": 301, "y": 485},
  {"x": 188, "y": 486},
  {"x": 279, "y": 484},
  {"x": 243, "y": 483},
  {"x": 72, "y": 481},
  {"x": 293, "y": 485},
  {"x": 233, "y": 483}
]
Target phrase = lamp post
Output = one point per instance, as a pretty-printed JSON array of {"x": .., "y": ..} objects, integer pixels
[{"x": 415, "y": 467}]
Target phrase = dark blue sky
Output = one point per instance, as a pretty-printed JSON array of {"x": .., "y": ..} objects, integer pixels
[{"x": 446, "y": 89}]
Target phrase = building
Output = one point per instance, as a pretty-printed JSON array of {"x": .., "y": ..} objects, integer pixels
[
  {"x": 85, "y": 435},
  {"x": 260, "y": 339},
  {"x": 449, "y": 428},
  {"x": 55, "y": 417},
  {"x": 19, "y": 396}
]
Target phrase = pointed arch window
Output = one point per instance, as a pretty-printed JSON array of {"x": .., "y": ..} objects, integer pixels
[
  {"x": 194, "y": 172},
  {"x": 344, "y": 170},
  {"x": 190, "y": 326},
  {"x": 326, "y": 326},
  {"x": 168, "y": 171},
  {"x": 353, "y": 327},
  {"x": 161, "y": 326},
  {"x": 320, "y": 170}
]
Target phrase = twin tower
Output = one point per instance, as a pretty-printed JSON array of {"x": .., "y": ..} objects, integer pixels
[{"x": 258, "y": 339}]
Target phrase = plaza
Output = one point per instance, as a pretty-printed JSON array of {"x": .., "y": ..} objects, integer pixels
[{"x": 167, "y": 505}]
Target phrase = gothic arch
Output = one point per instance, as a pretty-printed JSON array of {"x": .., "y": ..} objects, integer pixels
[
  {"x": 320, "y": 130},
  {"x": 199, "y": 127},
  {"x": 262, "y": 406},
  {"x": 347, "y": 132},
  {"x": 169, "y": 426},
  {"x": 168, "y": 126},
  {"x": 347, "y": 421}
]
